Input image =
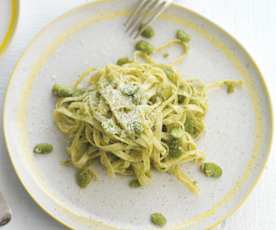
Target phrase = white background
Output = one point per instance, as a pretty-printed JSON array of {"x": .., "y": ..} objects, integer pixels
[{"x": 252, "y": 22}]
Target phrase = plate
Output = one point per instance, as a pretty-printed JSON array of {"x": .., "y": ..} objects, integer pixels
[
  {"x": 8, "y": 19},
  {"x": 238, "y": 126}
]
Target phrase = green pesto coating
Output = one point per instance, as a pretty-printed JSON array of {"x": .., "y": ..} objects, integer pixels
[
  {"x": 137, "y": 127},
  {"x": 166, "y": 55},
  {"x": 78, "y": 92},
  {"x": 190, "y": 127},
  {"x": 231, "y": 86},
  {"x": 136, "y": 99},
  {"x": 175, "y": 149}
]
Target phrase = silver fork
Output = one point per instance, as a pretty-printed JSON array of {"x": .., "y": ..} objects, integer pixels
[
  {"x": 145, "y": 12},
  {"x": 5, "y": 212}
]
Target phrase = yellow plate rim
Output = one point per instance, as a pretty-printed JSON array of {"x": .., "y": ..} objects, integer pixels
[{"x": 15, "y": 9}]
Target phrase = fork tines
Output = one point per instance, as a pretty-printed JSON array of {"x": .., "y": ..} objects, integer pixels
[{"x": 145, "y": 12}]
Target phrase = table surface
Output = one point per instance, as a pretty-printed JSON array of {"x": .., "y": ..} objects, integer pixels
[{"x": 252, "y": 22}]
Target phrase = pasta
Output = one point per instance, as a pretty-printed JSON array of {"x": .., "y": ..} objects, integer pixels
[{"x": 133, "y": 118}]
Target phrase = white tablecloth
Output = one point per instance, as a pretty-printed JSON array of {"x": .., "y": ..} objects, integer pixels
[{"x": 252, "y": 22}]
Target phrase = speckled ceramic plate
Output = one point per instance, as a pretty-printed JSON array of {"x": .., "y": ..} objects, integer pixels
[
  {"x": 238, "y": 132},
  {"x": 8, "y": 20}
]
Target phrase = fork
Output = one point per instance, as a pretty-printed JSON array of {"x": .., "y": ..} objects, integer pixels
[
  {"x": 145, "y": 12},
  {"x": 5, "y": 212}
]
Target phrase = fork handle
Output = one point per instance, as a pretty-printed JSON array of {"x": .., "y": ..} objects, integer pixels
[{"x": 5, "y": 212}]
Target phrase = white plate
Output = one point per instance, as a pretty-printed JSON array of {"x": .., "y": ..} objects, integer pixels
[
  {"x": 238, "y": 134},
  {"x": 8, "y": 20}
]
